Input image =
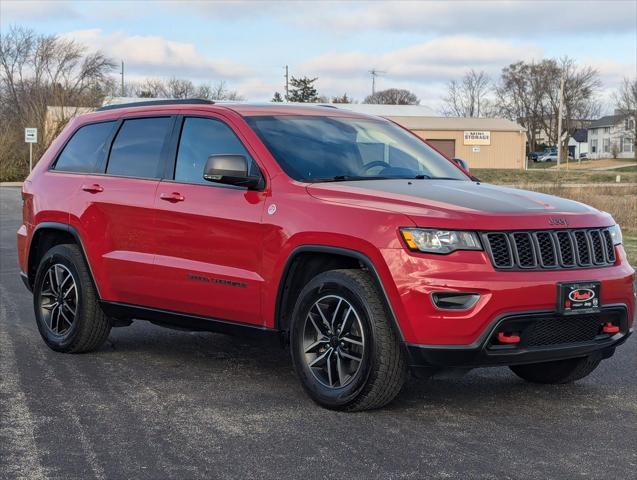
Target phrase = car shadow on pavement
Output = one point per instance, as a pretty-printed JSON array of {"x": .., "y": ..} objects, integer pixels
[{"x": 242, "y": 360}]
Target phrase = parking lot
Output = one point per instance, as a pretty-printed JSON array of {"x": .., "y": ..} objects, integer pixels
[{"x": 157, "y": 403}]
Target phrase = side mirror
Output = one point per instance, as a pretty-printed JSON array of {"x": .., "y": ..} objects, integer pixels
[
  {"x": 461, "y": 163},
  {"x": 229, "y": 170}
]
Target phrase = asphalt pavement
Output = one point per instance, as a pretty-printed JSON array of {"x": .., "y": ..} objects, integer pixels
[{"x": 156, "y": 403}]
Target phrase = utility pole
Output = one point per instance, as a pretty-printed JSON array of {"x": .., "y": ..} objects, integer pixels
[
  {"x": 559, "y": 123},
  {"x": 287, "y": 83},
  {"x": 123, "y": 79},
  {"x": 374, "y": 73}
]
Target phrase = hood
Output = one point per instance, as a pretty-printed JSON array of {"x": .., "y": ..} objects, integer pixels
[{"x": 463, "y": 204}]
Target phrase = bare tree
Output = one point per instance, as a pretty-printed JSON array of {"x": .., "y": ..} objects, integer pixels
[
  {"x": 393, "y": 96},
  {"x": 342, "y": 99},
  {"x": 468, "y": 97},
  {"x": 520, "y": 95},
  {"x": 626, "y": 102},
  {"x": 40, "y": 71},
  {"x": 178, "y": 88},
  {"x": 529, "y": 94},
  {"x": 581, "y": 84}
]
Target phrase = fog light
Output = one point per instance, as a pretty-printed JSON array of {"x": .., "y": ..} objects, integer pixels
[{"x": 454, "y": 300}]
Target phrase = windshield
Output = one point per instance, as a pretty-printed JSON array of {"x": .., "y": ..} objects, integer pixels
[{"x": 315, "y": 148}]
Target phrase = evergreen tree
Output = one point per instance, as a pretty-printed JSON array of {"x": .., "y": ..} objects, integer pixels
[
  {"x": 303, "y": 90},
  {"x": 277, "y": 97}
]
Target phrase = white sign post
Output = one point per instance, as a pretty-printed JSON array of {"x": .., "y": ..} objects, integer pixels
[{"x": 31, "y": 137}]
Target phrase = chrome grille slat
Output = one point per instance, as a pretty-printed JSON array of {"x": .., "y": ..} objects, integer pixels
[{"x": 550, "y": 249}]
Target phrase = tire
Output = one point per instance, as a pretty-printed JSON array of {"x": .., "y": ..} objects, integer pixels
[
  {"x": 561, "y": 371},
  {"x": 337, "y": 381},
  {"x": 62, "y": 330}
]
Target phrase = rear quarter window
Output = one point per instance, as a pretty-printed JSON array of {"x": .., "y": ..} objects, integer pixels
[{"x": 86, "y": 148}]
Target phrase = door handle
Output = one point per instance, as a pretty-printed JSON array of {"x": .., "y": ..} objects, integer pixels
[
  {"x": 95, "y": 188},
  {"x": 172, "y": 197}
]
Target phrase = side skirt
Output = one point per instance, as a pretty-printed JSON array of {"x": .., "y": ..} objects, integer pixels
[{"x": 181, "y": 321}]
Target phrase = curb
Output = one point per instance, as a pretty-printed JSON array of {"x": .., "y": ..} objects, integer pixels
[{"x": 10, "y": 184}]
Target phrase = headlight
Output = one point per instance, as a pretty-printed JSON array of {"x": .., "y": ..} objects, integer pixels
[
  {"x": 615, "y": 234},
  {"x": 431, "y": 240}
]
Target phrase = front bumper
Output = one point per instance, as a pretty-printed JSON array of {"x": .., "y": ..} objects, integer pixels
[
  {"x": 532, "y": 348},
  {"x": 413, "y": 279}
]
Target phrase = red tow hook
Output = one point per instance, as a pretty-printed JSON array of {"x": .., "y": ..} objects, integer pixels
[
  {"x": 504, "y": 338},
  {"x": 610, "y": 328}
]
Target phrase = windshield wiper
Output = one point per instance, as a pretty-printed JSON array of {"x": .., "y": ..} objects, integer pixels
[{"x": 347, "y": 178}]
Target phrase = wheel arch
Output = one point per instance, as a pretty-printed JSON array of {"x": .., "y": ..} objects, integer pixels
[
  {"x": 45, "y": 236},
  {"x": 338, "y": 257}
]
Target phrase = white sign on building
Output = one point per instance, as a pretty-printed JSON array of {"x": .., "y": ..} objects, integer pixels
[{"x": 477, "y": 137}]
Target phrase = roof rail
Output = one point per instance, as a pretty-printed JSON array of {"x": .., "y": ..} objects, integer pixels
[{"x": 152, "y": 103}]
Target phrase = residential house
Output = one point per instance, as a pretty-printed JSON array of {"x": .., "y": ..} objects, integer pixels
[
  {"x": 612, "y": 136},
  {"x": 578, "y": 143}
]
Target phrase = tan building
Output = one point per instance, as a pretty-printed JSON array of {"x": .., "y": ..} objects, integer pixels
[{"x": 481, "y": 142}]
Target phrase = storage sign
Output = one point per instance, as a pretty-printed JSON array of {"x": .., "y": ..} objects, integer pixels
[
  {"x": 31, "y": 135},
  {"x": 477, "y": 137}
]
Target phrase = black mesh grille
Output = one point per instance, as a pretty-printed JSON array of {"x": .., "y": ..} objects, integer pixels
[
  {"x": 596, "y": 243},
  {"x": 524, "y": 249},
  {"x": 550, "y": 249},
  {"x": 582, "y": 328},
  {"x": 500, "y": 251},
  {"x": 552, "y": 329},
  {"x": 581, "y": 244},
  {"x": 566, "y": 249},
  {"x": 547, "y": 249},
  {"x": 610, "y": 247}
]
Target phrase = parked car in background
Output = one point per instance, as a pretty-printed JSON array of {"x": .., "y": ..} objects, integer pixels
[
  {"x": 343, "y": 235},
  {"x": 551, "y": 157}
]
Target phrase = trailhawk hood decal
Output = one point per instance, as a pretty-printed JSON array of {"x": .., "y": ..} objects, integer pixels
[{"x": 424, "y": 200}]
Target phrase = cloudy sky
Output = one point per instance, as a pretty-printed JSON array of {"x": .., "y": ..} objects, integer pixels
[{"x": 420, "y": 45}]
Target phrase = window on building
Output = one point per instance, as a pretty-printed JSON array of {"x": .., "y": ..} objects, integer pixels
[
  {"x": 606, "y": 145},
  {"x": 627, "y": 145},
  {"x": 630, "y": 124},
  {"x": 86, "y": 149},
  {"x": 200, "y": 138},
  {"x": 606, "y": 129},
  {"x": 137, "y": 148},
  {"x": 594, "y": 146}
]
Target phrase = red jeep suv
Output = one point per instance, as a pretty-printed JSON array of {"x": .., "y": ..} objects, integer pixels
[{"x": 346, "y": 235}]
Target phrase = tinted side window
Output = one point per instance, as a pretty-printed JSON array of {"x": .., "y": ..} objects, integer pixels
[
  {"x": 136, "y": 151},
  {"x": 86, "y": 148},
  {"x": 200, "y": 138}
]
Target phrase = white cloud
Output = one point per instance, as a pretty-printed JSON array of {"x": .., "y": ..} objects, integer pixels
[
  {"x": 156, "y": 56},
  {"x": 30, "y": 10},
  {"x": 485, "y": 17},
  {"x": 439, "y": 59}
]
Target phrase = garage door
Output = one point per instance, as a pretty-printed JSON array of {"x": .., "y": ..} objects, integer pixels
[{"x": 448, "y": 147}]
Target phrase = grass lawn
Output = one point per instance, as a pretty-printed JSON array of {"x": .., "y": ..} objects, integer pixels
[
  {"x": 523, "y": 177},
  {"x": 630, "y": 244}
]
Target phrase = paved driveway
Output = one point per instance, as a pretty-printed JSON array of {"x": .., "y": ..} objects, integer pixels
[{"x": 156, "y": 403}]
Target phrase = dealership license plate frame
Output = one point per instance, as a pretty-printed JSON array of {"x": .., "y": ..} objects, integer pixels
[{"x": 567, "y": 306}]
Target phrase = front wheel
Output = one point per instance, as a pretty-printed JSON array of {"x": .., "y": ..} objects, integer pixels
[
  {"x": 561, "y": 371},
  {"x": 344, "y": 348}
]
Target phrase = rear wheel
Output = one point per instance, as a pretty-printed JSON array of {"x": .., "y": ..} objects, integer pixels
[
  {"x": 344, "y": 348},
  {"x": 67, "y": 311},
  {"x": 561, "y": 371}
]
